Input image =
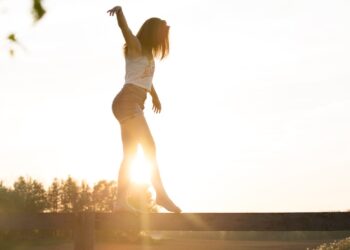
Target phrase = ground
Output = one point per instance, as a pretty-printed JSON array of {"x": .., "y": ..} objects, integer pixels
[{"x": 184, "y": 244}]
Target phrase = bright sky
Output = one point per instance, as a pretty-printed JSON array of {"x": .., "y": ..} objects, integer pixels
[{"x": 255, "y": 96}]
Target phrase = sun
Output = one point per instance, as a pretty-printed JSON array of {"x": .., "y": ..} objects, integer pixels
[{"x": 140, "y": 169}]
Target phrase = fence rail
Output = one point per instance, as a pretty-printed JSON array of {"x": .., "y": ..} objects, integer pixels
[{"x": 84, "y": 224}]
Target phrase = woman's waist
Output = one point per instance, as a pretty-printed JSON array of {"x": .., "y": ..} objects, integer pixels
[
  {"x": 143, "y": 83},
  {"x": 131, "y": 93},
  {"x": 135, "y": 87}
]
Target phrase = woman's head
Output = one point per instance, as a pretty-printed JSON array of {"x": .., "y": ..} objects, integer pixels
[{"x": 154, "y": 37}]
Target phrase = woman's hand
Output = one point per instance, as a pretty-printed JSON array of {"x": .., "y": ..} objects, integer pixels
[
  {"x": 157, "y": 106},
  {"x": 114, "y": 10}
]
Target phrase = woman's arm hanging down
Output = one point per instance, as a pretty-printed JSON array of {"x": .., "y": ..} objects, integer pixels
[{"x": 157, "y": 107}]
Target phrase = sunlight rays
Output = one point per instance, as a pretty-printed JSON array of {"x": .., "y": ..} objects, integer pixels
[{"x": 140, "y": 171}]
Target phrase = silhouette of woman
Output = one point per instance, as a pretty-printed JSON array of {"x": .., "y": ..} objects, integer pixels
[{"x": 152, "y": 41}]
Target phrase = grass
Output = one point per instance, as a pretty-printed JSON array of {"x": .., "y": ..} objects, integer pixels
[
  {"x": 336, "y": 245},
  {"x": 165, "y": 244}
]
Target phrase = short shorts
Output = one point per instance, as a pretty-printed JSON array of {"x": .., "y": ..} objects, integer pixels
[{"x": 129, "y": 102}]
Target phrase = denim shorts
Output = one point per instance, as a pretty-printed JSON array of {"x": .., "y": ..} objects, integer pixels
[{"x": 129, "y": 102}]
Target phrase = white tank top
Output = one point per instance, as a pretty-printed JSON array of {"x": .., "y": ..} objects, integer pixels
[{"x": 139, "y": 71}]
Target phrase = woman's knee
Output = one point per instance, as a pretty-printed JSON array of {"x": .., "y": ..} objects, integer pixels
[
  {"x": 149, "y": 149},
  {"x": 129, "y": 152},
  {"x": 140, "y": 132}
]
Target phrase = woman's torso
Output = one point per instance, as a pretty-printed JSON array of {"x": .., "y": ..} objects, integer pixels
[{"x": 139, "y": 71}]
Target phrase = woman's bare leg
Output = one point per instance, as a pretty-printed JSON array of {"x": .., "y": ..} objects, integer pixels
[
  {"x": 141, "y": 132},
  {"x": 129, "y": 153}
]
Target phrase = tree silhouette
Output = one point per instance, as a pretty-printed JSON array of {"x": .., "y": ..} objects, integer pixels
[
  {"x": 54, "y": 196},
  {"x": 6, "y": 200},
  {"x": 85, "y": 197},
  {"x": 103, "y": 195},
  {"x": 69, "y": 195},
  {"x": 36, "y": 197},
  {"x": 29, "y": 195}
]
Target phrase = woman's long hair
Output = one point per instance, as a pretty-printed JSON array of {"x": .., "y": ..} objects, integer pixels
[{"x": 154, "y": 38}]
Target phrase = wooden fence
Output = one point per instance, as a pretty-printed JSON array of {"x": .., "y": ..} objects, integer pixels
[{"x": 84, "y": 224}]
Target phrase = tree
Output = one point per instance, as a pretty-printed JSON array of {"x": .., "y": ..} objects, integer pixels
[
  {"x": 103, "y": 195},
  {"x": 37, "y": 199},
  {"x": 53, "y": 196},
  {"x": 85, "y": 197},
  {"x": 69, "y": 195},
  {"x": 29, "y": 195},
  {"x": 5, "y": 199},
  {"x": 20, "y": 193}
]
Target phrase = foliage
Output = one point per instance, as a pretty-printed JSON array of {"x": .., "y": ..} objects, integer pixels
[
  {"x": 85, "y": 197},
  {"x": 103, "y": 195},
  {"x": 69, "y": 195},
  {"x": 38, "y": 12},
  {"x": 54, "y": 196},
  {"x": 28, "y": 195},
  {"x": 336, "y": 245},
  {"x": 141, "y": 199}
]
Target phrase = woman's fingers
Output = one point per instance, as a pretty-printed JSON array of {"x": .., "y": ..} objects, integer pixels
[
  {"x": 113, "y": 11},
  {"x": 156, "y": 109}
]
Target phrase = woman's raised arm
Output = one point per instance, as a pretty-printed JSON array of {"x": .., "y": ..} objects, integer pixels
[{"x": 131, "y": 41}]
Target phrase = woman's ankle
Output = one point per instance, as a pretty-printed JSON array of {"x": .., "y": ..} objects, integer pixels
[{"x": 167, "y": 203}]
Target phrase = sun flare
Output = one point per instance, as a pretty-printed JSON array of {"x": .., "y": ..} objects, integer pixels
[{"x": 140, "y": 169}]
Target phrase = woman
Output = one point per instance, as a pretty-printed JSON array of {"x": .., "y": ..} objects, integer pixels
[{"x": 150, "y": 42}]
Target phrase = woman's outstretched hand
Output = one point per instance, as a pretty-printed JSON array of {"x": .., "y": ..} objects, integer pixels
[
  {"x": 157, "y": 106},
  {"x": 114, "y": 10}
]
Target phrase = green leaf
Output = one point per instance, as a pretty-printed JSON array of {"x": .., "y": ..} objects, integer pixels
[
  {"x": 38, "y": 10},
  {"x": 12, "y": 37}
]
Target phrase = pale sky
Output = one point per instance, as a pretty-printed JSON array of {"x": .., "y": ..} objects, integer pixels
[{"x": 255, "y": 96}]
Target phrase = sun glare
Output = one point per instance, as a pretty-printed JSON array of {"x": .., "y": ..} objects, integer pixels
[{"x": 140, "y": 169}]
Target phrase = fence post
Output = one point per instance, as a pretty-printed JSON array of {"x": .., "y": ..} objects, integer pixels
[{"x": 84, "y": 231}]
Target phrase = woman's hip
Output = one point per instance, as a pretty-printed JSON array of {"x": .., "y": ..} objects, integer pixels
[{"x": 129, "y": 102}]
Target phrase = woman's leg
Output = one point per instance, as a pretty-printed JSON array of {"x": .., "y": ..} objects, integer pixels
[
  {"x": 141, "y": 132},
  {"x": 129, "y": 152}
]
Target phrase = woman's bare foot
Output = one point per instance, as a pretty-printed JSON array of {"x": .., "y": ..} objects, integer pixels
[{"x": 168, "y": 204}]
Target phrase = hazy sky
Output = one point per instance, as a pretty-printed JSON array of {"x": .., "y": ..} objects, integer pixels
[{"x": 255, "y": 96}]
